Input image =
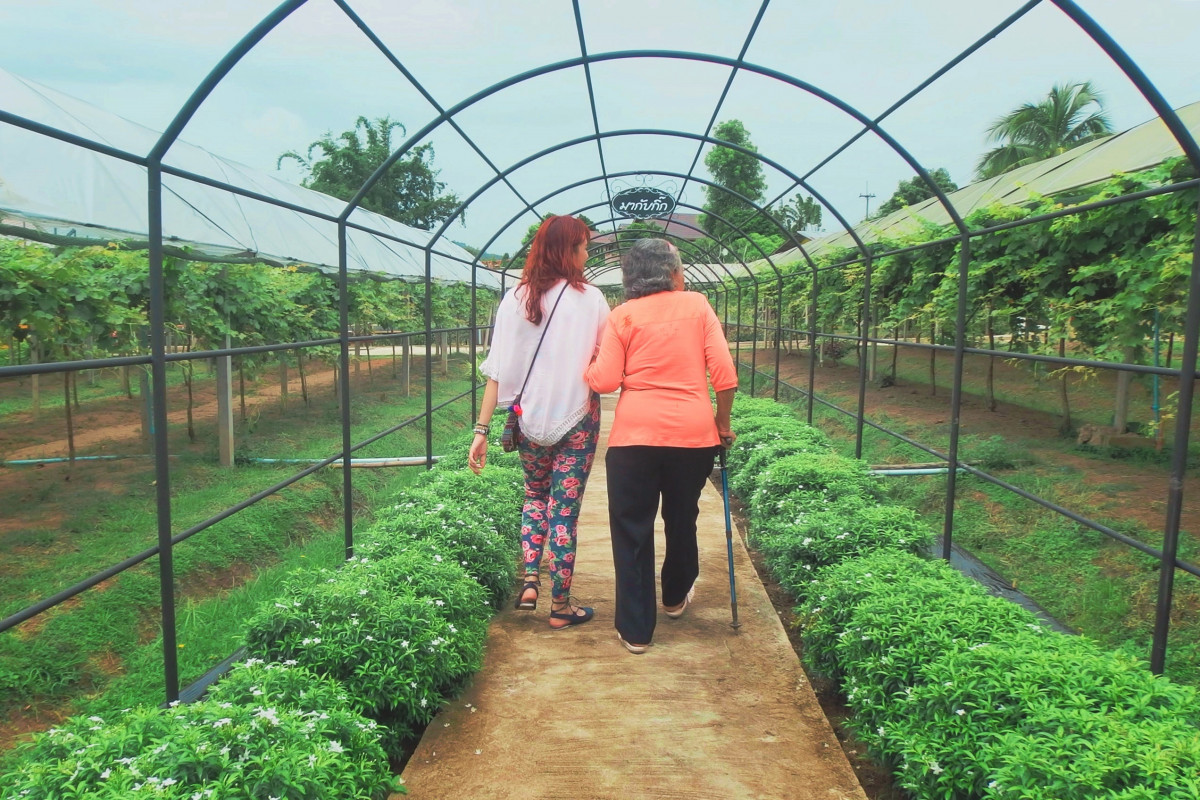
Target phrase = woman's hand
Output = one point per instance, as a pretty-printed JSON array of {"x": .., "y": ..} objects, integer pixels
[
  {"x": 477, "y": 456},
  {"x": 728, "y": 437}
]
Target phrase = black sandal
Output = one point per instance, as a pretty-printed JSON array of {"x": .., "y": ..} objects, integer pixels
[
  {"x": 568, "y": 613},
  {"x": 527, "y": 605}
]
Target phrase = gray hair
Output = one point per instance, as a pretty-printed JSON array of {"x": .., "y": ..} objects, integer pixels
[{"x": 649, "y": 267}]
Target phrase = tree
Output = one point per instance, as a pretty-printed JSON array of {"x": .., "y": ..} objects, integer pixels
[
  {"x": 800, "y": 214},
  {"x": 738, "y": 172},
  {"x": 409, "y": 192},
  {"x": 1070, "y": 115},
  {"x": 914, "y": 191}
]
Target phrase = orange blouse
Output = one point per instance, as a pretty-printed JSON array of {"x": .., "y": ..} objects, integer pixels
[{"x": 662, "y": 350}]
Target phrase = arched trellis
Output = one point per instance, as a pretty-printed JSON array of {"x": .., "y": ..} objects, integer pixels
[{"x": 159, "y": 358}]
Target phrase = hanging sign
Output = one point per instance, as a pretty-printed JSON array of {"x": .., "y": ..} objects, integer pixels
[{"x": 642, "y": 202}]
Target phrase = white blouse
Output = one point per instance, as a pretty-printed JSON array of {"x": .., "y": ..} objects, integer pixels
[{"x": 556, "y": 397}]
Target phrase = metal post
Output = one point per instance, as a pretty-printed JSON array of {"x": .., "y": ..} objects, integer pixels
[
  {"x": 162, "y": 470},
  {"x": 344, "y": 388},
  {"x": 812, "y": 343},
  {"x": 754, "y": 341},
  {"x": 474, "y": 337},
  {"x": 428, "y": 357},
  {"x": 864, "y": 323},
  {"x": 778, "y": 337},
  {"x": 960, "y": 337},
  {"x": 1179, "y": 453}
]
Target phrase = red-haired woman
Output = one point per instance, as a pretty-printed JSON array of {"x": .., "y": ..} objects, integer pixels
[{"x": 560, "y": 419}]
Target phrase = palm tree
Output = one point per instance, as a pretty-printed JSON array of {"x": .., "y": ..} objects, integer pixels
[{"x": 1070, "y": 115}]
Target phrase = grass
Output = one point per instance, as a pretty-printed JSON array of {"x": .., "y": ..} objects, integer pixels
[{"x": 102, "y": 649}]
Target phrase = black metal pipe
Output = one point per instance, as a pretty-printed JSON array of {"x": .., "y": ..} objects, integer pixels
[
  {"x": 1093, "y": 525},
  {"x": 865, "y": 322},
  {"x": 344, "y": 389},
  {"x": 162, "y": 468},
  {"x": 1179, "y": 458},
  {"x": 960, "y": 340},
  {"x": 1140, "y": 369}
]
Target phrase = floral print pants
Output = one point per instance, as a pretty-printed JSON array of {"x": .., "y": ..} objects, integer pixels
[{"x": 555, "y": 477}]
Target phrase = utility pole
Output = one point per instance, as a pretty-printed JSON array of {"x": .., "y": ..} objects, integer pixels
[{"x": 867, "y": 195}]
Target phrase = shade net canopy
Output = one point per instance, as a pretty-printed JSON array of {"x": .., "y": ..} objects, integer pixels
[
  {"x": 535, "y": 108},
  {"x": 49, "y": 186}
]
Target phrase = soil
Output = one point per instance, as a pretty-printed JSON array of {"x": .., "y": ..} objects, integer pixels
[{"x": 1131, "y": 491}]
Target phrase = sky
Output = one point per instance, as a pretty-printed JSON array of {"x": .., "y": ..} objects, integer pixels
[{"x": 317, "y": 73}]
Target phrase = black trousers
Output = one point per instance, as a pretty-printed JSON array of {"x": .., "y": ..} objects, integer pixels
[{"x": 637, "y": 477}]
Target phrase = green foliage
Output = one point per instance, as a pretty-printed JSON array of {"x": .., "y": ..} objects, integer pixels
[
  {"x": 1021, "y": 688},
  {"x": 809, "y": 480},
  {"x": 795, "y": 547},
  {"x": 1070, "y": 115},
  {"x": 735, "y": 173},
  {"x": 914, "y": 190},
  {"x": 397, "y": 652},
  {"x": 992, "y": 453},
  {"x": 446, "y": 516},
  {"x": 409, "y": 192},
  {"x": 276, "y": 730},
  {"x": 801, "y": 213}
]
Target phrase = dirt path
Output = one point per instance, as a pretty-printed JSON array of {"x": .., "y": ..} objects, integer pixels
[{"x": 708, "y": 712}]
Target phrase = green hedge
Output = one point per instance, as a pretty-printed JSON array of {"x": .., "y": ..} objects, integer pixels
[
  {"x": 346, "y": 664},
  {"x": 258, "y": 735},
  {"x": 965, "y": 695}
]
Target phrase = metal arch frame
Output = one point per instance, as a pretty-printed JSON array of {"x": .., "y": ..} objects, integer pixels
[
  {"x": 155, "y": 169},
  {"x": 787, "y": 233}
]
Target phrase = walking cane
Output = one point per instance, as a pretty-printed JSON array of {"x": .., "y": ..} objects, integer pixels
[{"x": 728, "y": 537}]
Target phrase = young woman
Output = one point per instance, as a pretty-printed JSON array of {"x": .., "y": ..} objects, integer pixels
[{"x": 560, "y": 420}]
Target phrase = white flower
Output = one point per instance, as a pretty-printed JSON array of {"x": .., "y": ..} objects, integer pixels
[
  {"x": 336, "y": 747},
  {"x": 936, "y": 768},
  {"x": 960, "y": 711},
  {"x": 104, "y": 775},
  {"x": 879, "y": 730},
  {"x": 220, "y": 724}
]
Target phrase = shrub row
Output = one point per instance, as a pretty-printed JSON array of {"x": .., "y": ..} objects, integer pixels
[
  {"x": 345, "y": 665},
  {"x": 963, "y": 694}
]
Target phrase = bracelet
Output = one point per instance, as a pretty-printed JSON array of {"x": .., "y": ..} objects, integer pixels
[{"x": 483, "y": 430}]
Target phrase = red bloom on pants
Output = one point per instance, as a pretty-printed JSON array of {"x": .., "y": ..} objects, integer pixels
[{"x": 570, "y": 483}]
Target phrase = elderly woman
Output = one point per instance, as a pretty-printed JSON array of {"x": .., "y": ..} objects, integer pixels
[{"x": 662, "y": 348}]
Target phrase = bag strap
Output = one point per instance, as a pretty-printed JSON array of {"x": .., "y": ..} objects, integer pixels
[{"x": 517, "y": 399}]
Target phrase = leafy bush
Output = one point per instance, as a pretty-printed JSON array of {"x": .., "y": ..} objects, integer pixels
[
  {"x": 806, "y": 482},
  {"x": 456, "y": 529},
  {"x": 495, "y": 496},
  {"x": 795, "y": 548},
  {"x": 453, "y": 457},
  {"x": 946, "y": 731},
  {"x": 1079, "y": 754},
  {"x": 396, "y": 652},
  {"x": 836, "y": 592},
  {"x": 219, "y": 748},
  {"x": 752, "y": 432},
  {"x": 753, "y": 460},
  {"x": 745, "y": 406},
  {"x": 994, "y": 453}
]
